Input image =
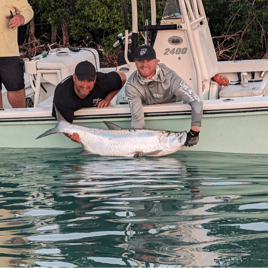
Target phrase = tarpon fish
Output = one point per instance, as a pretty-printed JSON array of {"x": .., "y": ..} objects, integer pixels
[{"x": 116, "y": 141}]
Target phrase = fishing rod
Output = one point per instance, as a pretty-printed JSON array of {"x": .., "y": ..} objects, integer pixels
[
  {"x": 145, "y": 14},
  {"x": 153, "y": 12},
  {"x": 135, "y": 32},
  {"x": 153, "y": 27},
  {"x": 124, "y": 4}
]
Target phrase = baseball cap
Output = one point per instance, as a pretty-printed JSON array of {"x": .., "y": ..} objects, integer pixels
[
  {"x": 85, "y": 70},
  {"x": 144, "y": 53}
]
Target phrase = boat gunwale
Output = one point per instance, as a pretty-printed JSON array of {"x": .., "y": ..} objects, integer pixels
[
  {"x": 127, "y": 115},
  {"x": 119, "y": 111}
]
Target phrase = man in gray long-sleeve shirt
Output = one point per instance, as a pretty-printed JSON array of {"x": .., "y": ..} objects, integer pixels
[{"x": 155, "y": 83}]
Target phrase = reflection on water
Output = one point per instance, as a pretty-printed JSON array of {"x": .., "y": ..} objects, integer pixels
[{"x": 58, "y": 209}]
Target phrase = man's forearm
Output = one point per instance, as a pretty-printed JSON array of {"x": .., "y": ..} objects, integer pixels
[
  {"x": 25, "y": 10},
  {"x": 123, "y": 78},
  {"x": 111, "y": 95}
]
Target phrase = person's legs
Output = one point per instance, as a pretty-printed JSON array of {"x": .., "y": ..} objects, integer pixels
[
  {"x": 12, "y": 76},
  {"x": 16, "y": 98}
]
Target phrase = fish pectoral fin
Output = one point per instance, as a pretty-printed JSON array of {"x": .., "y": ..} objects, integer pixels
[
  {"x": 138, "y": 154},
  {"x": 85, "y": 152},
  {"x": 153, "y": 153},
  {"x": 111, "y": 125}
]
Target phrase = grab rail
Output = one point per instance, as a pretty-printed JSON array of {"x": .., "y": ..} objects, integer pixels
[
  {"x": 196, "y": 11},
  {"x": 185, "y": 11}
]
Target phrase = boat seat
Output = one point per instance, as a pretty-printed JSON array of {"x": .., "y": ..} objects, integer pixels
[
  {"x": 254, "y": 89},
  {"x": 46, "y": 103}
]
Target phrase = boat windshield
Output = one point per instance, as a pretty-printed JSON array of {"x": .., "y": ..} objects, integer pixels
[{"x": 172, "y": 9}]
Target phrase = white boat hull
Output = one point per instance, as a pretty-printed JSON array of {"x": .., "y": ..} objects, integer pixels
[
  {"x": 235, "y": 117},
  {"x": 230, "y": 129}
]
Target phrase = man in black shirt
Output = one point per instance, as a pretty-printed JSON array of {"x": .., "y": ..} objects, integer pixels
[{"x": 86, "y": 88}]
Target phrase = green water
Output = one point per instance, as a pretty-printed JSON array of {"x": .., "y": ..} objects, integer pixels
[{"x": 58, "y": 209}]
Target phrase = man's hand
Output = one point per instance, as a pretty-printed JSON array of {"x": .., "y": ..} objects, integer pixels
[
  {"x": 192, "y": 138},
  {"x": 104, "y": 103},
  {"x": 16, "y": 22},
  {"x": 74, "y": 137}
]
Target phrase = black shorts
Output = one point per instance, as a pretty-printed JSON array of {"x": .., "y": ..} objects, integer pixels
[{"x": 11, "y": 73}]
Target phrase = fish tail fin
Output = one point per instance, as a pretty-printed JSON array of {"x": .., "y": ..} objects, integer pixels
[
  {"x": 58, "y": 127},
  {"x": 49, "y": 132},
  {"x": 59, "y": 117}
]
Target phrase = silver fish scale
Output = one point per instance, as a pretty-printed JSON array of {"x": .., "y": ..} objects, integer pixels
[{"x": 121, "y": 142}]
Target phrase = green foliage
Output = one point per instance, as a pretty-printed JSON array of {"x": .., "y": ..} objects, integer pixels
[
  {"x": 99, "y": 20},
  {"x": 55, "y": 11},
  {"x": 245, "y": 21},
  {"x": 103, "y": 20}
]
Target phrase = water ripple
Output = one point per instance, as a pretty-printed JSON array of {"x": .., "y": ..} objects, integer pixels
[{"x": 58, "y": 209}]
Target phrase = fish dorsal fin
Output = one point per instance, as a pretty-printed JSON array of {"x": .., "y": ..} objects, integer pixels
[{"x": 111, "y": 125}]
